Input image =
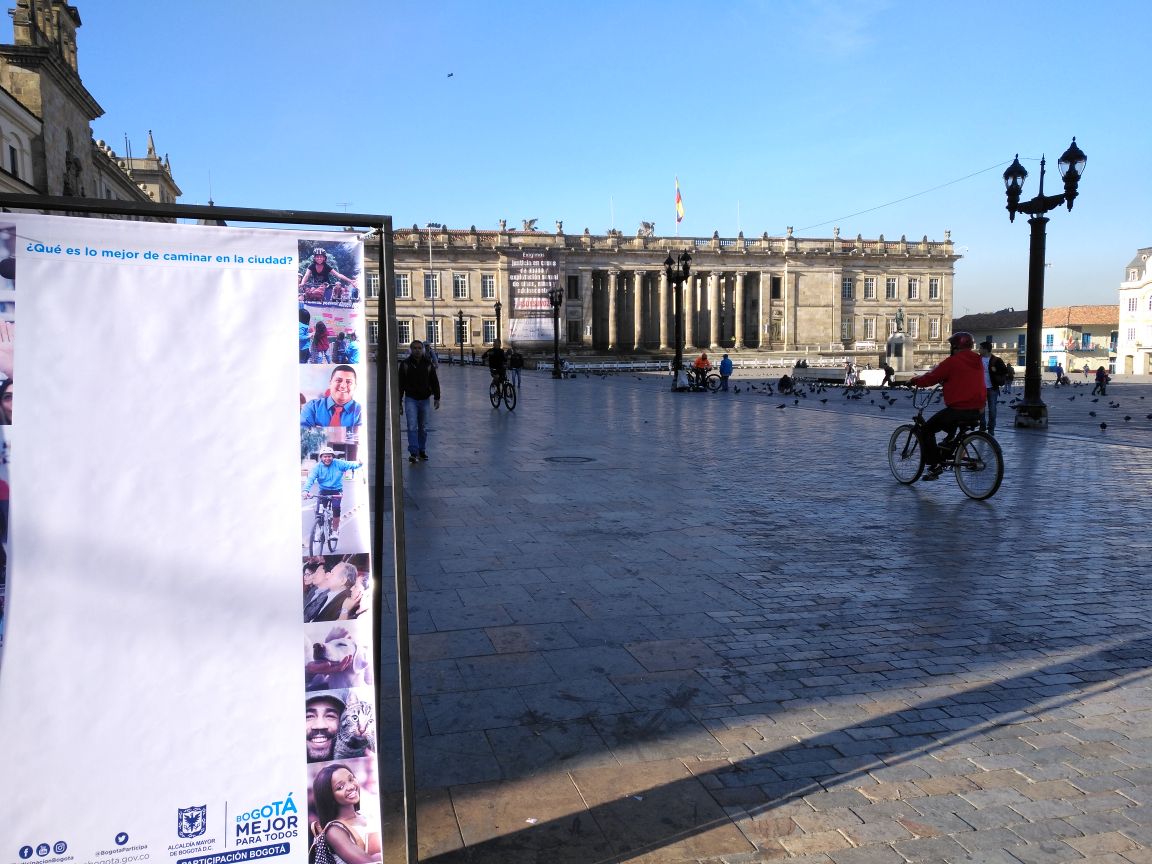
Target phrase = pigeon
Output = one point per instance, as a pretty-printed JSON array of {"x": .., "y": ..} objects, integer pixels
[
  {"x": 1126, "y": 418},
  {"x": 823, "y": 401},
  {"x": 1095, "y": 400},
  {"x": 780, "y": 406},
  {"x": 1103, "y": 425},
  {"x": 1091, "y": 413},
  {"x": 737, "y": 389},
  {"x": 795, "y": 401},
  {"x": 1070, "y": 398}
]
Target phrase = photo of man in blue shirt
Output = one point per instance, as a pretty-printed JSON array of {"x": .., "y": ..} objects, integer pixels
[{"x": 336, "y": 407}]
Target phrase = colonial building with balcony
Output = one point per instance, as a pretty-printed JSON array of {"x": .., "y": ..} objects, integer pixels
[
  {"x": 1072, "y": 336},
  {"x": 1134, "y": 342},
  {"x": 781, "y": 294}
]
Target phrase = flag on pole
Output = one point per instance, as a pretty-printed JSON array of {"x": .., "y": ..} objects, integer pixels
[{"x": 679, "y": 204}]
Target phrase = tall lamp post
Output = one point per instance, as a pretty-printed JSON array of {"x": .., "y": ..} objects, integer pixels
[
  {"x": 556, "y": 297},
  {"x": 1032, "y": 412},
  {"x": 498, "y": 306},
  {"x": 460, "y": 333},
  {"x": 677, "y": 273},
  {"x": 433, "y": 285}
]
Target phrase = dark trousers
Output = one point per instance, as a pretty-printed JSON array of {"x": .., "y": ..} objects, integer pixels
[{"x": 946, "y": 420}]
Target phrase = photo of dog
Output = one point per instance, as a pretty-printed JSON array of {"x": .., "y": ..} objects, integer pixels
[{"x": 337, "y": 657}]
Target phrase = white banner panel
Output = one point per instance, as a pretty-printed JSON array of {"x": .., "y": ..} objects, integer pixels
[{"x": 157, "y": 647}]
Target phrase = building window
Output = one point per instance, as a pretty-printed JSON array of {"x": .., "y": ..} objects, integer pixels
[
  {"x": 1131, "y": 334},
  {"x": 461, "y": 332},
  {"x": 573, "y": 332},
  {"x": 890, "y": 288},
  {"x": 487, "y": 287},
  {"x": 846, "y": 328},
  {"x": 403, "y": 289},
  {"x": 432, "y": 331},
  {"x": 847, "y": 288},
  {"x": 869, "y": 287},
  {"x": 914, "y": 327},
  {"x": 777, "y": 287},
  {"x": 431, "y": 286},
  {"x": 1131, "y": 304},
  {"x": 891, "y": 325},
  {"x": 1049, "y": 341},
  {"x": 934, "y": 288},
  {"x": 13, "y": 161},
  {"x": 373, "y": 285},
  {"x": 1085, "y": 341},
  {"x": 488, "y": 330},
  {"x": 933, "y": 328},
  {"x": 1150, "y": 303},
  {"x": 403, "y": 331},
  {"x": 913, "y": 288},
  {"x": 574, "y": 291},
  {"x": 869, "y": 324},
  {"x": 459, "y": 286}
]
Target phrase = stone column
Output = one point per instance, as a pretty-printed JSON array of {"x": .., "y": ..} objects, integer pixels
[
  {"x": 739, "y": 336},
  {"x": 611, "y": 283},
  {"x": 587, "y": 293},
  {"x": 714, "y": 311},
  {"x": 761, "y": 318},
  {"x": 637, "y": 309},
  {"x": 690, "y": 311},
  {"x": 662, "y": 305}
]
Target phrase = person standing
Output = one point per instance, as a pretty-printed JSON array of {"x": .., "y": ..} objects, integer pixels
[
  {"x": 849, "y": 374},
  {"x": 1059, "y": 370},
  {"x": 418, "y": 386},
  {"x": 1102, "y": 380},
  {"x": 725, "y": 372},
  {"x": 515, "y": 364},
  {"x": 995, "y": 377}
]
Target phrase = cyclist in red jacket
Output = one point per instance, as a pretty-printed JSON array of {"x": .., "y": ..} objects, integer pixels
[{"x": 962, "y": 374}]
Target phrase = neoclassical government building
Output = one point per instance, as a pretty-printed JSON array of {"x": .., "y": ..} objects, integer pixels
[{"x": 781, "y": 294}]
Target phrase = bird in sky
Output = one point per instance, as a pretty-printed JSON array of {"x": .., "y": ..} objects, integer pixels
[{"x": 450, "y": 74}]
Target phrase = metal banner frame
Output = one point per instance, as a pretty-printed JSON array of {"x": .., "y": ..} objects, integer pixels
[{"x": 387, "y": 388}]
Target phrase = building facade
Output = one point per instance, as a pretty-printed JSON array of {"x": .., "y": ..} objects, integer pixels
[
  {"x": 1072, "y": 336},
  {"x": 46, "y": 116},
  {"x": 781, "y": 294},
  {"x": 1134, "y": 339}
]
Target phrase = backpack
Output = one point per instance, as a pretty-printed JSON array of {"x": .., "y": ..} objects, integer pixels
[{"x": 998, "y": 372}]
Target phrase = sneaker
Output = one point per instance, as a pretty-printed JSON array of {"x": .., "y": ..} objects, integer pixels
[
  {"x": 423, "y": 456},
  {"x": 931, "y": 474},
  {"x": 412, "y": 459}
]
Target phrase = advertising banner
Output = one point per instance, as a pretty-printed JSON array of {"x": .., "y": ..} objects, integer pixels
[
  {"x": 532, "y": 274},
  {"x": 185, "y": 571}
]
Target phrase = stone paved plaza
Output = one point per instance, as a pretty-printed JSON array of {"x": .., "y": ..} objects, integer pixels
[{"x": 703, "y": 627}]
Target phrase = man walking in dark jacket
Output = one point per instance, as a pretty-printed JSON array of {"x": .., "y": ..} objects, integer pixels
[{"x": 418, "y": 386}]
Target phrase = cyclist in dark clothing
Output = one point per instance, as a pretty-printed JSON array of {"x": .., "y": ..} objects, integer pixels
[{"x": 497, "y": 361}]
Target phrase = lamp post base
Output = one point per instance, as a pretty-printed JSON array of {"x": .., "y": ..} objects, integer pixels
[
  {"x": 1032, "y": 415},
  {"x": 556, "y": 373}
]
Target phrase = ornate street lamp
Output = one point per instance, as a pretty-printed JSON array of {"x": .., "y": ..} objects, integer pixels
[
  {"x": 677, "y": 274},
  {"x": 498, "y": 306},
  {"x": 556, "y": 297},
  {"x": 1032, "y": 411},
  {"x": 460, "y": 333}
]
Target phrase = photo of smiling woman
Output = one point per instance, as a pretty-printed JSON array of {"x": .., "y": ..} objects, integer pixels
[{"x": 339, "y": 822}]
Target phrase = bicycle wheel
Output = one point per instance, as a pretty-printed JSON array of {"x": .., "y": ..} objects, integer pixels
[
  {"x": 494, "y": 394},
  {"x": 316, "y": 543},
  {"x": 509, "y": 396},
  {"x": 905, "y": 455},
  {"x": 979, "y": 465}
]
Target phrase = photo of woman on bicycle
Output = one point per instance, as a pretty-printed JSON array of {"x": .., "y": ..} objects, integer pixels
[{"x": 327, "y": 274}]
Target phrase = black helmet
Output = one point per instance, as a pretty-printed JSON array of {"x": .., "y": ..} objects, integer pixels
[{"x": 961, "y": 341}]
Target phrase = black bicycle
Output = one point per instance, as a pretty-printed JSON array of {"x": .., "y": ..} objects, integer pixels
[
  {"x": 973, "y": 456},
  {"x": 323, "y": 532},
  {"x": 502, "y": 390}
]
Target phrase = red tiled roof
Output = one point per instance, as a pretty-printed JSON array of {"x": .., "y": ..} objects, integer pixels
[{"x": 1073, "y": 316}]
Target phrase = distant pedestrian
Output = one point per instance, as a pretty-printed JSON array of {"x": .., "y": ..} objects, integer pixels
[
  {"x": 1059, "y": 370},
  {"x": 995, "y": 377},
  {"x": 515, "y": 364},
  {"x": 725, "y": 372},
  {"x": 889, "y": 375},
  {"x": 1085, "y": 370},
  {"x": 473, "y": 356},
  {"x": 418, "y": 386},
  {"x": 849, "y": 374},
  {"x": 1102, "y": 380}
]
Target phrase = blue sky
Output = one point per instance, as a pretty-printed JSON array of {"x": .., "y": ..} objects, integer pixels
[{"x": 787, "y": 113}]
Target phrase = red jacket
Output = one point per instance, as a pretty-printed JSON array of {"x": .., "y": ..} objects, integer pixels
[{"x": 963, "y": 377}]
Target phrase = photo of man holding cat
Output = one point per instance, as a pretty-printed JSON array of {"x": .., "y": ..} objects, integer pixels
[{"x": 339, "y": 725}]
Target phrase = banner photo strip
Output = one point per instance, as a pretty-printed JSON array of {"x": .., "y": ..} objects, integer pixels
[{"x": 187, "y": 565}]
